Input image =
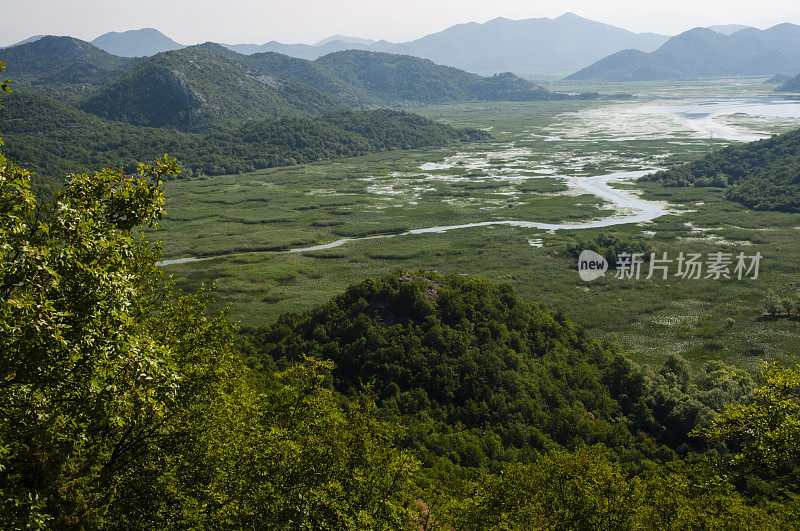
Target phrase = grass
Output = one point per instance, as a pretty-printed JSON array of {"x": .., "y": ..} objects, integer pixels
[{"x": 507, "y": 178}]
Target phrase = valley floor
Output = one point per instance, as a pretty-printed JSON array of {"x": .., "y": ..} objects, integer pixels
[{"x": 524, "y": 194}]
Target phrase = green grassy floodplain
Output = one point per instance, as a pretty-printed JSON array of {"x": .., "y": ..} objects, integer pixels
[{"x": 247, "y": 220}]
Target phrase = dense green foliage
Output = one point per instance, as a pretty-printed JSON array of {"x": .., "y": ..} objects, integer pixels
[
  {"x": 197, "y": 87},
  {"x": 123, "y": 405},
  {"x": 61, "y": 65},
  {"x": 128, "y": 407},
  {"x": 764, "y": 431},
  {"x": 408, "y": 402},
  {"x": 481, "y": 377},
  {"x": 56, "y": 139},
  {"x": 763, "y": 175},
  {"x": 587, "y": 490},
  {"x": 610, "y": 246}
]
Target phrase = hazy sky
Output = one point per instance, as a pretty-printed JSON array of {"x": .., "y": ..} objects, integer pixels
[{"x": 254, "y": 21}]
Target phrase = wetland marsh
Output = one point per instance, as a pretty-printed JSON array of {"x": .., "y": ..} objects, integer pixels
[{"x": 550, "y": 169}]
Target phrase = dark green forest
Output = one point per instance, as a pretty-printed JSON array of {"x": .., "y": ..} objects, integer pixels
[
  {"x": 763, "y": 175},
  {"x": 77, "y": 108},
  {"x": 62, "y": 66},
  {"x": 409, "y": 401},
  {"x": 610, "y": 246},
  {"x": 209, "y": 87},
  {"x": 55, "y": 139}
]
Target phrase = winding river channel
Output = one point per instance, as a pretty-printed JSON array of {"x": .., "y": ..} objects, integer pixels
[
  {"x": 701, "y": 117},
  {"x": 628, "y": 209}
]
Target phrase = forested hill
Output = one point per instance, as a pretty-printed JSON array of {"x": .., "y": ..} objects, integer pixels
[
  {"x": 55, "y": 139},
  {"x": 393, "y": 78},
  {"x": 763, "y": 175},
  {"x": 65, "y": 66},
  {"x": 701, "y": 52},
  {"x": 480, "y": 376},
  {"x": 209, "y": 86},
  {"x": 198, "y": 87}
]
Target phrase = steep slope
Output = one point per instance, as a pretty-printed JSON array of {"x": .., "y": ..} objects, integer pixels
[
  {"x": 566, "y": 42},
  {"x": 312, "y": 73},
  {"x": 443, "y": 352},
  {"x": 61, "y": 65},
  {"x": 790, "y": 85},
  {"x": 628, "y": 65},
  {"x": 701, "y": 52},
  {"x": 196, "y": 88},
  {"x": 395, "y": 78},
  {"x": 212, "y": 86},
  {"x": 500, "y": 45},
  {"x": 55, "y": 139},
  {"x": 763, "y": 175},
  {"x": 136, "y": 43}
]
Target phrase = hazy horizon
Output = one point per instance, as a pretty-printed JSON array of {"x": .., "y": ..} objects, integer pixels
[{"x": 309, "y": 21}]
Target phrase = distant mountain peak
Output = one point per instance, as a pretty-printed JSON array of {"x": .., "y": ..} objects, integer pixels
[
  {"x": 33, "y": 38},
  {"x": 136, "y": 43},
  {"x": 729, "y": 29},
  {"x": 498, "y": 20},
  {"x": 345, "y": 39},
  {"x": 706, "y": 53}
]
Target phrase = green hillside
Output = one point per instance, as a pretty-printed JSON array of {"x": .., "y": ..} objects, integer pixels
[
  {"x": 311, "y": 73},
  {"x": 195, "y": 88},
  {"x": 481, "y": 377},
  {"x": 209, "y": 86},
  {"x": 399, "y": 78},
  {"x": 61, "y": 66},
  {"x": 763, "y": 175},
  {"x": 55, "y": 139}
]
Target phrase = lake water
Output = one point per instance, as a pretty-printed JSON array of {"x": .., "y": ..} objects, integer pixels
[
  {"x": 704, "y": 115},
  {"x": 672, "y": 119}
]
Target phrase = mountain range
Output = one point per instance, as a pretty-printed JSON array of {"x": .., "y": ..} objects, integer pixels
[
  {"x": 61, "y": 65},
  {"x": 209, "y": 85},
  {"x": 533, "y": 45},
  {"x": 76, "y": 106},
  {"x": 702, "y": 52}
]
